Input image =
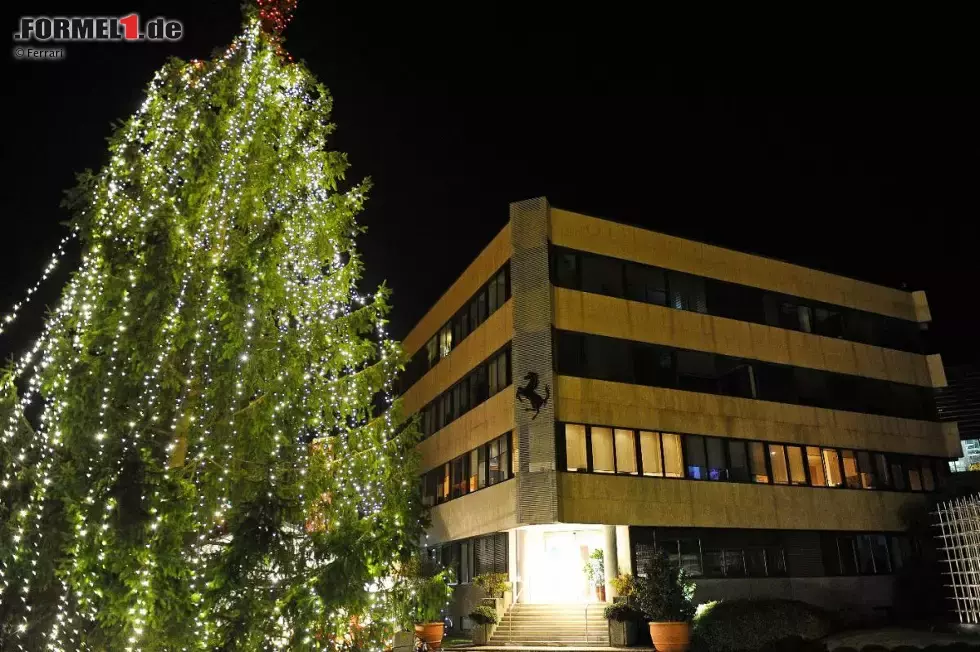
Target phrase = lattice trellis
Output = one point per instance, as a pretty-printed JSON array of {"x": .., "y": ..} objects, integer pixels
[{"x": 959, "y": 526}]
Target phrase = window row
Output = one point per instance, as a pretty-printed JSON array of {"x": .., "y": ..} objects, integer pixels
[
  {"x": 472, "y": 557},
  {"x": 598, "y": 449},
  {"x": 635, "y": 281},
  {"x": 474, "y": 388},
  {"x": 484, "y": 466},
  {"x": 474, "y": 312},
  {"x": 626, "y": 361},
  {"x": 733, "y": 553}
]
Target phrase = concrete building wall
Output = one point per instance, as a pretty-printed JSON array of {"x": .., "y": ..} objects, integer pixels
[
  {"x": 476, "y": 274},
  {"x": 607, "y": 403},
  {"x": 609, "y": 499},
  {"x": 643, "y": 322},
  {"x": 489, "y": 419},
  {"x": 487, "y": 339},
  {"x": 631, "y": 243},
  {"x": 486, "y": 511}
]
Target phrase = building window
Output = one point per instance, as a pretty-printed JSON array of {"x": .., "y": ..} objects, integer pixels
[
  {"x": 575, "y": 457},
  {"x": 881, "y": 466},
  {"x": 777, "y": 460},
  {"x": 814, "y": 462},
  {"x": 717, "y": 467},
  {"x": 673, "y": 457},
  {"x": 851, "y": 475},
  {"x": 499, "y": 455},
  {"x": 898, "y": 475},
  {"x": 602, "y": 275},
  {"x": 915, "y": 478},
  {"x": 868, "y": 480},
  {"x": 797, "y": 472},
  {"x": 928, "y": 482},
  {"x": 646, "y": 284},
  {"x": 474, "y": 479},
  {"x": 481, "y": 474},
  {"x": 757, "y": 460},
  {"x": 697, "y": 467},
  {"x": 831, "y": 464},
  {"x": 602, "y": 450},
  {"x": 650, "y": 453},
  {"x": 625, "y": 451},
  {"x": 738, "y": 470},
  {"x": 626, "y": 361}
]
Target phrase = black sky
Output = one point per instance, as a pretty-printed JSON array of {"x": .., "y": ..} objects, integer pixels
[{"x": 836, "y": 143}]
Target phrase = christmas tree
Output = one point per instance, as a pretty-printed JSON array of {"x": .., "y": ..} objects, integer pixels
[{"x": 200, "y": 450}]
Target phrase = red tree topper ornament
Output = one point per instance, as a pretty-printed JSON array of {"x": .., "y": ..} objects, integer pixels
[{"x": 275, "y": 14}]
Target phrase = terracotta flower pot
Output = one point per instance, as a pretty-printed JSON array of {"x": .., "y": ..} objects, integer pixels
[
  {"x": 431, "y": 633},
  {"x": 600, "y": 593},
  {"x": 671, "y": 637}
]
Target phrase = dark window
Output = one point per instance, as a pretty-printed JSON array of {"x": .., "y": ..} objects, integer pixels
[
  {"x": 686, "y": 292},
  {"x": 694, "y": 454},
  {"x": 566, "y": 270},
  {"x": 646, "y": 284},
  {"x": 717, "y": 467},
  {"x": 602, "y": 275},
  {"x": 604, "y": 358},
  {"x": 739, "y": 466}
]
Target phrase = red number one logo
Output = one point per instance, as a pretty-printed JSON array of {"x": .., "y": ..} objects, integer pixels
[{"x": 132, "y": 25}]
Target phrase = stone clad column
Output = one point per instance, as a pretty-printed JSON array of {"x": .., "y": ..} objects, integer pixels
[
  {"x": 531, "y": 363},
  {"x": 610, "y": 560}
]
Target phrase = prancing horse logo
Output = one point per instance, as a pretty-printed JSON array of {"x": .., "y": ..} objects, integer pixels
[{"x": 530, "y": 393}]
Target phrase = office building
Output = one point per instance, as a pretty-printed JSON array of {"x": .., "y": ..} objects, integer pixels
[{"x": 587, "y": 385}]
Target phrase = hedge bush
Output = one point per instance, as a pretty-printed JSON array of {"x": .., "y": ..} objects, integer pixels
[{"x": 737, "y": 625}]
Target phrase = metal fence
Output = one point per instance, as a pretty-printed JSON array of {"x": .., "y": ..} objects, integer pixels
[{"x": 959, "y": 526}]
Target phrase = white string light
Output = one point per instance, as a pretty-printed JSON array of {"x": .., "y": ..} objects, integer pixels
[{"x": 167, "y": 401}]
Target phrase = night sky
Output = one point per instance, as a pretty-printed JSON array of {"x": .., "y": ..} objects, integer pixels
[{"x": 841, "y": 147}]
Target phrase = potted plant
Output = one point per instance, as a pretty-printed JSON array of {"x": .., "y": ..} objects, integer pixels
[
  {"x": 623, "y": 623},
  {"x": 494, "y": 585},
  {"x": 595, "y": 573},
  {"x": 666, "y": 597},
  {"x": 426, "y": 595},
  {"x": 486, "y": 618}
]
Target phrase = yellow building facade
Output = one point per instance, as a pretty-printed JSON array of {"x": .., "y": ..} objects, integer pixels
[{"x": 591, "y": 386}]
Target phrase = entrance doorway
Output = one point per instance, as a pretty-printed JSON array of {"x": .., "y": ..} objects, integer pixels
[{"x": 554, "y": 559}]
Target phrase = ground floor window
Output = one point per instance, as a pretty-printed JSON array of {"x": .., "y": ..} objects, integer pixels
[
  {"x": 471, "y": 557},
  {"x": 733, "y": 553}
]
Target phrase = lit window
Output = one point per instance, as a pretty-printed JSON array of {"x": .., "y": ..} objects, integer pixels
[
  {"x": 797, "y": 474},
  {"x": 602, "y": 450},
  {"x": 757, "y": 462},
  {"x": 673, "y": 457},
  {"x": 815, "y": 463},
  {"x": 831, "y": 464},
  {"x": 777, "y": 458},
  {"x": 625, "y": 452},
  {"x": 915, "y": 479},
  {"x": 575, "y": 448},
  {"x": 851, "y": 475},
  {"x": 650, "y": 453}
]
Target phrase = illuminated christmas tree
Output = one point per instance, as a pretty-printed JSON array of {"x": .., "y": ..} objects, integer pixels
[{"x": 200, "y": 450}]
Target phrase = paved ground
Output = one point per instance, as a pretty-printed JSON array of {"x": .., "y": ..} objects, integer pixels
[{"x": 892, "y": 637}]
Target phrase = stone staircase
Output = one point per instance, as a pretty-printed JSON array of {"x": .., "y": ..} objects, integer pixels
[{"x": 553, "y": 624}]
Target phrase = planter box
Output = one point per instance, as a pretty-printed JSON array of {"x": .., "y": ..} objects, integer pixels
[
  {"x": 498, "y": 604},
  {"x": 481, "y": 634},
  {"x": 623, "y": 633}
]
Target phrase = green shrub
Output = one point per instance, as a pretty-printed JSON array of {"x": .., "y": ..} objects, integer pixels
[
  {"x": 665, "y": 594},
  {"x": 736, "y": 625},
  {"x": 622, "y": 612},
  {"x": 625, "y": 585},
  {"x": 484, "y": 615},
  {"x": 493, "y": 583}
]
